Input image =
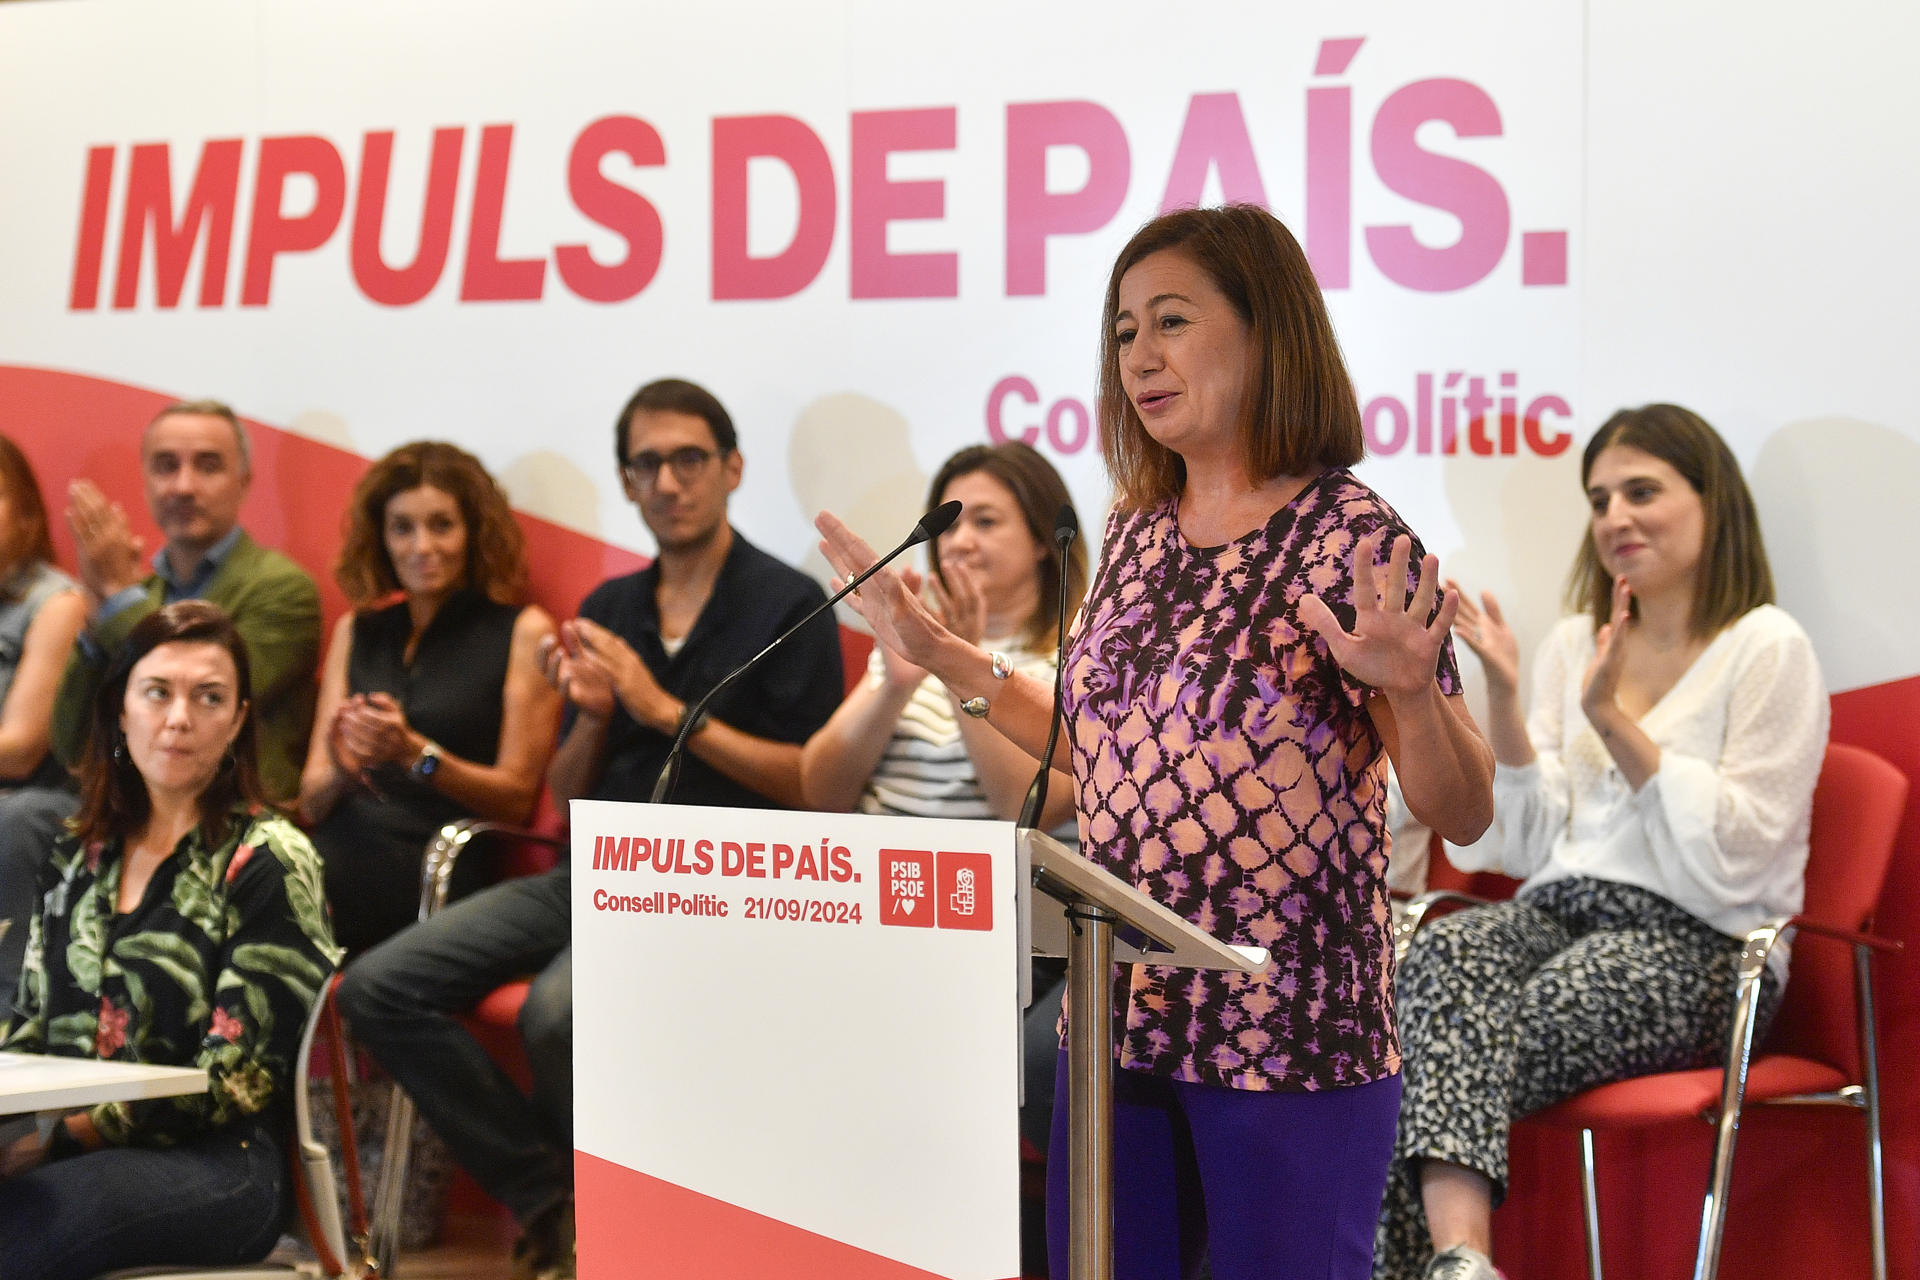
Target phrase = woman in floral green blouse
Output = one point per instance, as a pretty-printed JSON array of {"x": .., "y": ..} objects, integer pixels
[{"x": 182, "y": 923}]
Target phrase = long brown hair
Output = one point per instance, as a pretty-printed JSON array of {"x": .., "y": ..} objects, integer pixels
[
  {"x": 1039, "y": 492},
  {"x": 28, "y": 541},
  {"x": 113, "y": 796},
  {"x": 496, "y": 549},
  {"x": 1734, "y": 574},
  {"x": 1303, "y": 412}
]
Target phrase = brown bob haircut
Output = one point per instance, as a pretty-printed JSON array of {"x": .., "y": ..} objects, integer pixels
[
  {"x": 28, "y": 541},
  {"x": 496, "y": 549},
  {"x": 1039, "y": 492},
  {"x": 1303, "y": 412},
  {"x": 1734, "y": 574},
  {"x": 113, "y": 796}
]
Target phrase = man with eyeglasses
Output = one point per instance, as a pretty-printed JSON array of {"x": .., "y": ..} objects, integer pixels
[{"x": 645, "y": 647}]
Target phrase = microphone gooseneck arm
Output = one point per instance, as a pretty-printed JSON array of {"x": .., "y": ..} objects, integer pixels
[
  {"x": 1066, "y": 527},
  {"x": 930, "y": 526}
]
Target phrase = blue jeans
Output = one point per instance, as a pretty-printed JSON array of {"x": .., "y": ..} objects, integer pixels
[
  {"x": 30, "y": 818},
  {"x": 216, "y": 1202},
  {"x": 1265, "y": 1186},
  {"x": 402, "y": 1000}
]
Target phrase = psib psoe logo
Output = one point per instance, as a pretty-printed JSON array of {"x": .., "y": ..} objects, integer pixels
[{"x": 921, "y": 889}]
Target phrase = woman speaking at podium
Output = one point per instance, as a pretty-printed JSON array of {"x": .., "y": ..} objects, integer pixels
[{"x": 1241, "y": 672}]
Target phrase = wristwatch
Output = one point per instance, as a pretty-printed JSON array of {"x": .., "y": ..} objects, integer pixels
[
  {"x": 427, "y": 763},
  {"x": 681, "y": 725}
]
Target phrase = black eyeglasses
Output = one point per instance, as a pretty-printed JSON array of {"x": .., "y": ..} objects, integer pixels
[{"x": 686, "y": 464}]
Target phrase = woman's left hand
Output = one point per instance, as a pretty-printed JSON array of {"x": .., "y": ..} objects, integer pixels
[
  {"x": 960, "y": 602},
  {"x": 1392, "y": 646},
  {"x": 374, "y": 728},
  {"x": 1600, "y": 687}
]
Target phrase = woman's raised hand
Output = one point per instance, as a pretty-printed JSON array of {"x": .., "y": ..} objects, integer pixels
[
  {"x": 1392, "y": 646},
  {"x": 1600, "y": 687},
  {"x": 899, "y": 618},
  {"x": 900, "y": 673},
  {"x": 960, "y": 603},
  {"x": 1483, "y": 629}
]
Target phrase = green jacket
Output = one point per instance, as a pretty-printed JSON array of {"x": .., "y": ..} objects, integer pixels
[{"x": 276, "y": 608}]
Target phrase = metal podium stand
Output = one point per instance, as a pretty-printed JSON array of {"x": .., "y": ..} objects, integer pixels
[{"x": 1075, "y": 913}]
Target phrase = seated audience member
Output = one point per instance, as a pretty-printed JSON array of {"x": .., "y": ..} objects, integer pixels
[
  {"x": 434, "y": 707},
  {"x": 902, "y": 744},
  {"x": 40, "y": 614},
  {"x": 1657, "y": 806},
  {"x": 644, "y": 647},
  {"x": 218, "y": 947},
  {"x": 195, "y": 460}
]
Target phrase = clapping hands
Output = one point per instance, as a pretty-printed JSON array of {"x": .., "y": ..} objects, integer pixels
[{"x": 1483, "y": 628}]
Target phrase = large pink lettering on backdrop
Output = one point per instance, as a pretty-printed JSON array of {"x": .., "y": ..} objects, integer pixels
[{"x": 1215, "y": 139}]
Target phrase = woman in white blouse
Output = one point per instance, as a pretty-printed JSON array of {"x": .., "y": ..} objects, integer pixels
[{"x": 1656, "y": 805}]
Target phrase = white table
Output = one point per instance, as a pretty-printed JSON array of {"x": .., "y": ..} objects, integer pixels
[{"x": 33, "y": 1082}]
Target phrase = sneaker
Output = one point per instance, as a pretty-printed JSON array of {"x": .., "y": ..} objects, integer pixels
[{"x": 1460, "y": 1263}]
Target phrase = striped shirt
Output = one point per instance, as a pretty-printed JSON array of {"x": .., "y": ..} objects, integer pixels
[{"x": 926, "y": 771}]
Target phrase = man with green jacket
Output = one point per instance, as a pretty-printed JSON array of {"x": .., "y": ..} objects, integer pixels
[{"x": 195, "y": 460}]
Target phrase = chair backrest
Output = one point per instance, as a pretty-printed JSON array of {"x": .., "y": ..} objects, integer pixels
[{"x": 1857, "y": 806}]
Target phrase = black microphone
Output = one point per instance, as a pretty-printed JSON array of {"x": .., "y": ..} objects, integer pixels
[
  {"x": 930, "y": 526},
  {"x": 1066, "y": 527}
]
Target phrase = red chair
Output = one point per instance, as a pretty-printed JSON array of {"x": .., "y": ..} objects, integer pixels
[{"x": 1822, "y": 1050}]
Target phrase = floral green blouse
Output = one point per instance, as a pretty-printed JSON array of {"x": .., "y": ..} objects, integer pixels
[{"x": 216, "y": 967}]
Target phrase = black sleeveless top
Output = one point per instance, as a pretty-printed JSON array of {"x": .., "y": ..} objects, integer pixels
[{"x": 451, "y": 692}]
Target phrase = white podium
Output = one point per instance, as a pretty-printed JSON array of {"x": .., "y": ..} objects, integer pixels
[{"x": 797, "y": 1039}]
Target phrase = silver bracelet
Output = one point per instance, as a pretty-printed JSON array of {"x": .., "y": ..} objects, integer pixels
[
  {"x": 1002, "y": 665},
  {"x": 975, "y": 707}
]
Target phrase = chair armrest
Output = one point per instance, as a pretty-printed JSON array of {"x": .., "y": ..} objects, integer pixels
[
  {"x": 1416, "y": 911},
  {"x": 444, "y": 849},
  {"x": 1808, "y": 925},
  {"x": 1764, "y": 937}
]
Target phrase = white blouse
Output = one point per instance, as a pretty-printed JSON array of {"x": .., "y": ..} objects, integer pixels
[{"x": 1721, "y": 827}]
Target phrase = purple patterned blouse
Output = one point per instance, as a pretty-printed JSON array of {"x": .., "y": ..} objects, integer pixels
[{"x": 1227, "y": 766}]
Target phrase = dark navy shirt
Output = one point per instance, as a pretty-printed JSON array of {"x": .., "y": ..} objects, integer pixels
[{"x": 785, "y": 699}]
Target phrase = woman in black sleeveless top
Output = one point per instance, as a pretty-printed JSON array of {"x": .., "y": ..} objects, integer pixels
[{"x": 433, "y": 707}]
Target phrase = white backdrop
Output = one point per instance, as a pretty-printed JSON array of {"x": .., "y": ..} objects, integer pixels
[{"x": 1728, "y": 205}]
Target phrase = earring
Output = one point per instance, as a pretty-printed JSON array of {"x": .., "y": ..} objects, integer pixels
[{"x": 119, "y": 748}]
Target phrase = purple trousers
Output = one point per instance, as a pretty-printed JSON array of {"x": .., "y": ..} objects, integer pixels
[{"x": 1267, "y": 1186}]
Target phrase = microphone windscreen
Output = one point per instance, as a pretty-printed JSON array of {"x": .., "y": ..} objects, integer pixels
[
  {"x": 1066, "y": 525},
  {"x": 936, "y": 521}
]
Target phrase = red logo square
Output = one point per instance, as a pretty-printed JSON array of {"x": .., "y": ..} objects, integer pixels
[
  {"x": 966, "y": 890},
  {"x": 906, "y": 887}
]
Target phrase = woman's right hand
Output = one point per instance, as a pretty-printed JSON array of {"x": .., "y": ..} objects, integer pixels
[
  {"x": 898, "y": 617},
  {"x": 1483, "y": 629}
]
